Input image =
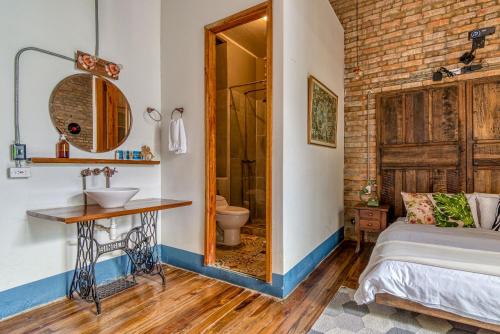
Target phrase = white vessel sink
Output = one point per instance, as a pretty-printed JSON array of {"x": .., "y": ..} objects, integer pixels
[{"x": 112, "y": 197}]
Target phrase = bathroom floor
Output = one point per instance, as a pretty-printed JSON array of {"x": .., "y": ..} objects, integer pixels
[
  {"x": 248, "y": 258},
  {"x": 255, "y": 227}
]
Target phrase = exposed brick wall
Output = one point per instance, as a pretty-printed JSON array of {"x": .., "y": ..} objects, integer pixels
[{"x": 400, "y": 43}]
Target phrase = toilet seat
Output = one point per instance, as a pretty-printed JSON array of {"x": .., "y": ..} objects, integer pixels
[{"x": 232, "y": 211}]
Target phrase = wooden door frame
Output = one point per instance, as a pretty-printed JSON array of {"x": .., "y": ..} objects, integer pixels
[{"x": 248, "y": 15}]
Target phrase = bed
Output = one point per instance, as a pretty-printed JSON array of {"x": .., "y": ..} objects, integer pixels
[
  {"x": 449, "y": 273},
  {"x": 437, "y": 138}
]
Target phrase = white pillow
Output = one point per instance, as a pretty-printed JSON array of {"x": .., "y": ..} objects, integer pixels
[
  {"x": 487, "y": 206},
  {"x": 471, "y": 198}
]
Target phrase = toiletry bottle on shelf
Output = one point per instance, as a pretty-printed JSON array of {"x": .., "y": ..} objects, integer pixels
[{"x": 62, "y": 147}]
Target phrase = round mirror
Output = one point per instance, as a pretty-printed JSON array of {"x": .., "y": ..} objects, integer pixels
[{"x": 91, "y": 112}]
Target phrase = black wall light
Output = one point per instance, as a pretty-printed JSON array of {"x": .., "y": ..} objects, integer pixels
[{"x": 478, "y": 38}]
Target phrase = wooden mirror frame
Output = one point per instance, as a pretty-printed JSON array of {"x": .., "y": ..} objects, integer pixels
[{"x": 248, "y": 15}]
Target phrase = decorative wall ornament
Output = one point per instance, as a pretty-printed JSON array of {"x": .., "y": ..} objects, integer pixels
[
  {"x": 112, "y": 69},
  {"x": 97, "y": 66},
  {"x": 322, "y": 114},
  {"x": 146, "y": 153},
  {"x": 86, "y": 61}
]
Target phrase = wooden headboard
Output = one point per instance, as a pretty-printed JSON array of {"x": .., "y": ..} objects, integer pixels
[{"x": 441, "y": 138}]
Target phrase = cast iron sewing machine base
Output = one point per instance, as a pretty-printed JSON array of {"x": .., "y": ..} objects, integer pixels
[{"x": 140, "y": 245}]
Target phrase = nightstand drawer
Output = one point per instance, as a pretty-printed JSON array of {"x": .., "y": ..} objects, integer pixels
[
  {"x": 369, "y": 219},
  {"x": 369, "y": 224},
  {"x": 369, "y": 214}
]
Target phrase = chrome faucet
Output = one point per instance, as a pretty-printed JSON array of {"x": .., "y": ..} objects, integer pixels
[{"x": 107, "y": 171}]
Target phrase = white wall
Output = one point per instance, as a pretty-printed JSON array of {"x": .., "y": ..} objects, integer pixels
[
  {"x": 183, "y": 176},
  {"x": 130, "y": 34},
  {"x": 312, "y": 175},
  {"x": 307, "y": 180}
]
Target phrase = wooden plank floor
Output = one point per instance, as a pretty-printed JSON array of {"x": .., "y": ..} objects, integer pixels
[{"x": 190, "y": 303}]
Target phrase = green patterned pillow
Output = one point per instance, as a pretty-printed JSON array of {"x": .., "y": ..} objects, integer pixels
[{"x": 452, "y": 210}]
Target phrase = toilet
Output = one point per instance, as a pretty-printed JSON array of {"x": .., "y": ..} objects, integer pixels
[{"x": 230, "y": 219}]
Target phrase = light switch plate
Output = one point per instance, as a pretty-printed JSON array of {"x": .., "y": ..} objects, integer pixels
[{"x": 19, "y": 172}]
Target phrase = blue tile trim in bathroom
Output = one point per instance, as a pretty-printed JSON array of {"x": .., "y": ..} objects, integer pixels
[
  {"x": 26, "y": 296},
  {"x": 282, "y": 285}
]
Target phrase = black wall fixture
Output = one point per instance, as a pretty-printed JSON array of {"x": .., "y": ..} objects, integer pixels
[{"x": 478, "y": 38}]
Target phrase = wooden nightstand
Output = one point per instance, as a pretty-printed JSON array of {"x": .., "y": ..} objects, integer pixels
[{"x": 369, "y": 219}]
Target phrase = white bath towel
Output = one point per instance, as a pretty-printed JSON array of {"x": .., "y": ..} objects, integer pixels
[{"x": 177, "y": 140}]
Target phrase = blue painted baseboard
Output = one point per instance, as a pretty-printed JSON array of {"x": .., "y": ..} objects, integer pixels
[
  {"x": 44, "y": 291},
  {"x": 281, "y": 286},
  {"x": 306, "y": 266},
  {"x": 194, "y": 262},
  {"x": 24, "y": 297}
]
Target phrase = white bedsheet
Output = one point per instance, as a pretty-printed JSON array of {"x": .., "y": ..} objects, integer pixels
[{"x": 468, "y": 294}]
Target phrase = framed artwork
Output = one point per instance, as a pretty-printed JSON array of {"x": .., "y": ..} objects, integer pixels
[{"x": 322, "y": 114}]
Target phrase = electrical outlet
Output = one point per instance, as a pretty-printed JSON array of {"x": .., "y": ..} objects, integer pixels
[{"x": 19, "y": 172}]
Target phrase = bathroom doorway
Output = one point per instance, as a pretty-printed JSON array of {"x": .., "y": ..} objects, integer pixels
[{"x": 238, "y": 84}]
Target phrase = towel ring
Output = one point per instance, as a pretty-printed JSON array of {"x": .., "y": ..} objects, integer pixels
[
  {"x": 154, "y": 114},
  {"x": 180, "y": 110}
]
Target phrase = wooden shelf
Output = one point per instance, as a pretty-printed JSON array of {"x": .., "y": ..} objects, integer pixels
[
  {"x": 75, "y": 214},
  {"x": 92, "y": 161}
]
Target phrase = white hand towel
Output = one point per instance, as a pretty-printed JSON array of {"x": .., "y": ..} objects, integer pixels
[{"x": 177, "y": 139}]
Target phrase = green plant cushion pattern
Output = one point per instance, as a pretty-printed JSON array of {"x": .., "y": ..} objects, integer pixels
[{"x": 452, "y": 210}]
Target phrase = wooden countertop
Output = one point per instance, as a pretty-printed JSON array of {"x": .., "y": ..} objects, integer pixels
[{"x": 75, "y": 214}]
